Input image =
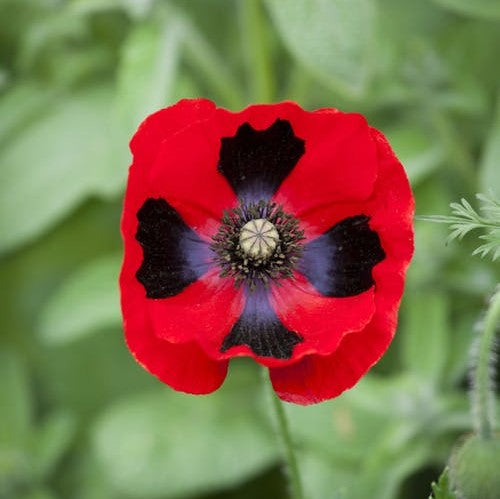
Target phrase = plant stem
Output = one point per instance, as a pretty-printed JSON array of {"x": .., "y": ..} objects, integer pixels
[
  {"x": 256, "y": 47},
  {"x": 482, "y": 389},
  {"x": 208, "y": 62},
  {"x": 283, "y": 429}
]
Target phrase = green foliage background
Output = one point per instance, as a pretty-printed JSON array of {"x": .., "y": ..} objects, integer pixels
[{"x": 79, "y": 419}]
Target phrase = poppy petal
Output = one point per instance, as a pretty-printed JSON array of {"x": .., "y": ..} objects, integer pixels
[
  {"x": 205, "y": 311},
  {"x": 260, "y": 329},
  {"x": 184, "y": 367},
  {"x": 181, "y": 168},
  {"x": 164, "y": 123},
  {"x": 319, "y": 377},
  {"x": 390, "y": 207},
  {"x": 256, "y": 162},
  {"x": 174, "y": 255},
  {"x": 339, "y": 165},
  {"x": 322, "y": 321},
  {"x": 315, "y": 378},
  {"x": 339, "y": 262}
]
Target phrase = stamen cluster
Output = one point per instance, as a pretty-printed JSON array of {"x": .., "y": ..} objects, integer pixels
[{"x": 256, "y": 270}]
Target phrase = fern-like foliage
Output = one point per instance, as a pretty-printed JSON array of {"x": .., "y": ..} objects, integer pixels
[{"x": 465, "y": 218}]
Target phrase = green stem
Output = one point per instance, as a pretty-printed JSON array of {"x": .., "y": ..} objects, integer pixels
[
  {"x": 482, "y": 391},
  {"x": 283, "y": 429},
  {"x": 208, "y": 62},
  {"x": 255, "y": 38}
]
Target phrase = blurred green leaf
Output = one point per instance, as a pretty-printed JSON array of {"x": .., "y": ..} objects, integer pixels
[
  {"x": 166, "y": 444},
  {"x": 21, "y": 104},
  {"x": 53, "y": 164},
  {"x": 87, "y": 479},
  {"x": 322, "y": 478},
  {"x": 334, "y": 39},
  {"x": 487, "y": 9},
  {"x": 425, "y": 336},
  {"x": 138, "y": 8},
  {"x": 458, "y": 357},
  {"x": 418, "y": 153},
  {"x": 15, "y": 424},
  {"x": 147, "y": 71},
  {"x": 489, "y": 175},
  {"x": 110, "y": 373},
  {"x": 49, "y": 29},
  {"x": 86, "y": 302},
  {"x": 386, "y": 469},
  {"x": 442, "y": 489},
  {"x": 50, "y": 441},
  {"x": 15, "y": 400},
  {"x": 368, "y": 441},
  {"x": 39, "y": 494},
  {"x": 211, "y": 67}
]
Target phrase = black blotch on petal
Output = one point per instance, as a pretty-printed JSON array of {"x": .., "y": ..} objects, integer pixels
[
  {"x": 339, "y": 263},
  {"x": 260, "y": 329},
  {"x": 167, "y": 244},
  {"x": 255, "y": 163}
]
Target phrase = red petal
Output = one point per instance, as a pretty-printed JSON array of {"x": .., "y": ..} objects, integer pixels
[
  {"x": 175, "y": 157},
  {"x": 164, "y": 123},
  {"x": 184, "y": 367},
  {"x": 205, "y": 312},
  {"x": 260, "y": 117},
  {"x": 339, "y": 164},
  {"x": 322, "y": 321},
  {"x": 315, "y": 378},
  {"x": 390, "y": 207}
]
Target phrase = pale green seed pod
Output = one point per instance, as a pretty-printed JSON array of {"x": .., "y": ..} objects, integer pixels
[{"x": 475, "y": 468}]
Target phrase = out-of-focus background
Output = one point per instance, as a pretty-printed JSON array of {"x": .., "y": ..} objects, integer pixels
[{"x": 78, "y": 418}]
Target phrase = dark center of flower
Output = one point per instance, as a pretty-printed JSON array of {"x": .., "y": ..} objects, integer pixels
[{"x": 257, "y": 243}]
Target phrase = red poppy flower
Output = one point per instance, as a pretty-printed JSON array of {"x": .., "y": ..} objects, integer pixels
[{"x": 274, "y": 233}]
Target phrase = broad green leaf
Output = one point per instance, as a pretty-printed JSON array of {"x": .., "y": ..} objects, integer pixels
[
  {"x": 50, "y": 441},
  {"x": 87, "y": 302},
  {"x": 322, "y": 478},
  {"x": 490, "y": 162},
  {"x": 50, "y": 30},
  {"x": 137, "y": 8},
  {"x": 417, "y": 152},
  {"x": 15, "y": 401},
  {"x": 210, "y": 67},
  {"x": 334, "y": 39},
  {"x": 147, "y": 75},
  {"x": 41, "y": 493},
  {"x": 385, "y": 470},
  {"x": 53, "y": 164},
  {"x": 148, "y": 70},
  {"x": 110, "y": 373},
  {"x": 486, "y": 9},
  {"x": 368, "y": 440},
  {"x": 425, "y": 335},
  {"x": 21, "y": 104},
  {"x": 167, "y": 444},
  {"x": 356, "y": 423}
]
